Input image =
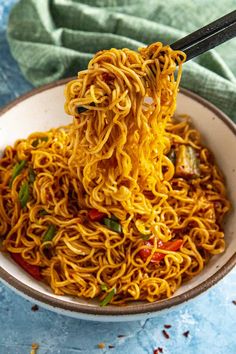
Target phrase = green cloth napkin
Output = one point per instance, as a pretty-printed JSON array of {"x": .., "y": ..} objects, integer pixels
[{"x": 51, "y": 39}]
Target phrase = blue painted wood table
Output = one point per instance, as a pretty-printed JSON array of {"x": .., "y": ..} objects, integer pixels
[{"x": 210, "y": 318}]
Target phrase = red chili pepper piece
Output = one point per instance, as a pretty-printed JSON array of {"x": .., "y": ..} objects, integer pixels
[
  {"x": 145, "y": 252},
  {"x": 157, "y": 256},
  {"x": 95, "y": 215},
  {"x": 31, "y": 269}
]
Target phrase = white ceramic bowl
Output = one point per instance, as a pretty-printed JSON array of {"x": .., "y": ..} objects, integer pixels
[{"x": 42, "y": 109}]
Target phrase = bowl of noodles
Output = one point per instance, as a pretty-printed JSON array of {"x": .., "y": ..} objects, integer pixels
[{"x": 116, "y": 189}]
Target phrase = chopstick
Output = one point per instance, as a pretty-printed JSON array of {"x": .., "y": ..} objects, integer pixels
[
  {"x": 207, "y": 37},
  {"x": 204, "y": 39}
]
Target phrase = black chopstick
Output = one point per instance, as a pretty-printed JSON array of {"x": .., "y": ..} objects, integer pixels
[
  {"x": 204, "y": 39},
  {"x": 212, "y": 28},
  {"x": 210, "y": 42}
]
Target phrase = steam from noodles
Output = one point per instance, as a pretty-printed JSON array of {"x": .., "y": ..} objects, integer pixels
[{"x": 157, "y": 191}]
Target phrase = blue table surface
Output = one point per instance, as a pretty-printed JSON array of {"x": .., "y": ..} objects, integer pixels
[{"x": 210, "y": 318}]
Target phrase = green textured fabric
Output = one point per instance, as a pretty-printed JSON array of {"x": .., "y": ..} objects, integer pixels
[{"x": 52, "y": 39}]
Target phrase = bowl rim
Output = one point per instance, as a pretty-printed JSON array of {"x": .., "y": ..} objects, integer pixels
[{"x": 133, "y": 309}]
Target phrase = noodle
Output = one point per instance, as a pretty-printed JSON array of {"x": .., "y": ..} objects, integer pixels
[{"x": 158, "y": 197}]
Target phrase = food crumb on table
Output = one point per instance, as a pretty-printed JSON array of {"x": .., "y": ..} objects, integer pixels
[
  {"x": 34, "y": 308},
  {"x": 34, "y": 348},
  {"x": 101, "y": 345}
]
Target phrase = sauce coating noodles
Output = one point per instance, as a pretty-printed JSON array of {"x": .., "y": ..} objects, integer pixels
[{"x": 123, "y": 204}]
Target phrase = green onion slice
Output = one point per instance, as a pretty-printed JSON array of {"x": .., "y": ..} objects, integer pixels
[
  {"x": 108, "y": 298},
  {"x": 39, "y": 140},
  {"x": 32, "y": 175},
  {"x": 145, "y": 237},
  {"x": 113, "y": 225},
  {"x": 103, "y": 287},
  {"x": 17, "y": 170},
  {"x": 43, "y": 212},
  {"x": 24, "y": 194},
  {"x": 50, "y": 233}
]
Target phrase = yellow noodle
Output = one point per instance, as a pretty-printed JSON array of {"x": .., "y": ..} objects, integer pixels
[{"x": 114, "y": 157}]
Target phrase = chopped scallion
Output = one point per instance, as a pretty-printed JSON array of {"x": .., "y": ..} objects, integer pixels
[
  {"x": 108, "y": 298},
  {"x": 24, "y": 194},
  {"x": 145, "y": 237},
  {"x": 113, "y": 225},
  {"x": 103, "y": 287},
  {"x": 50, "y": 233},
  {"x": 43, "y": 212},
  {"x": 39, "y": 140},
  {"x": 32, "y": 175},
  {"x": 17, "y": 170}
]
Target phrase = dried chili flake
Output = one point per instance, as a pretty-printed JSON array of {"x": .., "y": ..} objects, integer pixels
[
  {"x": 186, "y": 334},
  {"x": 167, "y": 326},
  {"x": 111, "y": 346},
  {"x": 165, "y": 334},
  {"x": 234, "y": 302},
  {"x": 121, "y": 336},
  {"x": 34, "y": 308},
  {"x": 158, "y": 350}
]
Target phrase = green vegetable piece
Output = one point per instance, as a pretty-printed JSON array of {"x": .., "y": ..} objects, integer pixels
[
  {"x": 24, "y": 194},
  {"x": 108, "y": 298},
  {"x": 50, "y": 233},
  {"x": 113, "y": 225},
  {"x": 39, "y": 140},
  {"x": 145, "y": 237},
  {"x": 187, "y": 162},
  {"x": 35, "y": 143},
  {"x": 32, "y": 175},
  {"x": 103, "y": 287},
  {"x": 43, "y": 212},
  {"x": 17, "y": 170}
]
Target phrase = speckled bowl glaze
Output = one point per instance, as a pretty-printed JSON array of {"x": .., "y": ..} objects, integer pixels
[{"x": 42, "y": 109}]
